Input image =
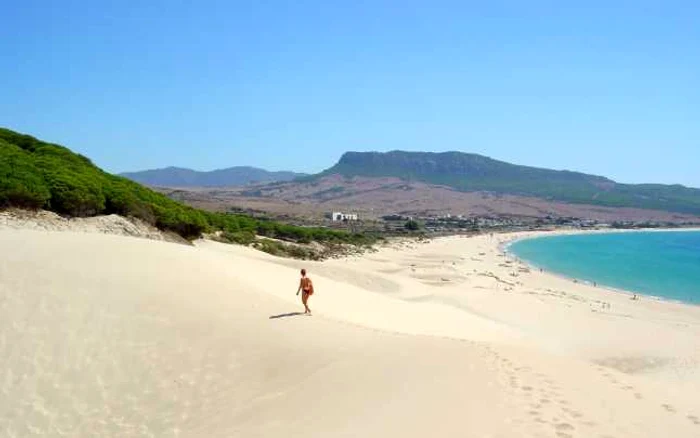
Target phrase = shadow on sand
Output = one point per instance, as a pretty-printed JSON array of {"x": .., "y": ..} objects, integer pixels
[{"x": 286, "y": 315}]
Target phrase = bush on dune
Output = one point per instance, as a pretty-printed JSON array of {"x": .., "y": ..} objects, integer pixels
[
  {"x": 21, "y": 183},
  {"x": 36, "y": 174},
  {"x": 239, "y": 237},
  {"x": 75, "y": 194}
]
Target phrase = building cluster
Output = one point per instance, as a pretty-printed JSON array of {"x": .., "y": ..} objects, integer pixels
[{"x": 338, "y": 216}]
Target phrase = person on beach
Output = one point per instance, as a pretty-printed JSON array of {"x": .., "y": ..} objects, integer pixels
[{"x": 306, "y": 286}]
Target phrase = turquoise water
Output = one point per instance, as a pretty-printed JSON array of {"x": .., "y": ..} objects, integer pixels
[{"x": 662, "y": 264}]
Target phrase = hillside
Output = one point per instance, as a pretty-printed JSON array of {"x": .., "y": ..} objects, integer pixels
[
  {"x": 375, "y": 197},
  {"x": 472, "y": 173},
  {"x": 39, "y": 175},
  {"x": 233, "y": 176}
]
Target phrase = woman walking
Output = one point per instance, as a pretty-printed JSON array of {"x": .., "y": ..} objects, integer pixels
[{"x": 306, "y": 286}]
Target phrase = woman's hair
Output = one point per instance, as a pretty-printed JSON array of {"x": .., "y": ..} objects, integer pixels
[{"x": 303, "y": 272}]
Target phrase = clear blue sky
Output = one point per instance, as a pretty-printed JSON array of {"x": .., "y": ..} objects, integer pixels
[{"x": 611, "y": 89}]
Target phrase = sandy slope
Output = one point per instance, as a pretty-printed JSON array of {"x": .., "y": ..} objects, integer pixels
[
  {"x": 111, "y": 224},
  {"x": 116, "y": 336}
]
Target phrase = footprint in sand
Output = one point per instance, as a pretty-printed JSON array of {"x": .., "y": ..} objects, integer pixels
[
  {"x": 573, "y": 414},
  {"x": 695, "y": 420},
  {"x": 551, "y": 386},
  {"x": 551, "y": 393},
  {"x": 563, "y": 429},
  {"x": 669, "y": 408}
]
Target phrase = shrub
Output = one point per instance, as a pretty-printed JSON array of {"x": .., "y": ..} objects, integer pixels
[
  {"x": 21, "y": 183},
  {"x": 270, "y": 247},
  {"x": 286, "y": 250},
  {"x": 75, "y": 195},
  {"x": 412, "y": 225},
  {"x": 239, "y": 237}
]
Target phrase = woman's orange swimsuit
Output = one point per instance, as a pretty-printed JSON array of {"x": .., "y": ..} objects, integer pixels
[{"x": 307, "y": 286}]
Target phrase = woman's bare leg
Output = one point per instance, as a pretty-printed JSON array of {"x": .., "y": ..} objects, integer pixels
[{"x": 304, "y": 299}]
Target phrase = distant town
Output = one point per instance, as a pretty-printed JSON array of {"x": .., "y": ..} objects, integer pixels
[
  {"x": 431, "y": 224},
  {"x": 460, "y": 223}
]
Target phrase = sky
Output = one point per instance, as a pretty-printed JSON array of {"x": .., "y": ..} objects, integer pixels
[{"x": 603, "y": 87}]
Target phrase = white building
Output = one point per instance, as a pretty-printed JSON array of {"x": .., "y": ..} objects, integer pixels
[{"x": 340, "y": 216}]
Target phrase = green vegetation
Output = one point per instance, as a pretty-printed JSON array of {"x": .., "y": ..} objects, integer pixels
[
  {"x": 412, "y": 225},
  {"x": 239, "y": 237},
  {"x": 287, "y": 250},
  {"x": 239, "y": 228},
  {"x": 471, "y": 172},
  {"x": 35, "y": 174}
]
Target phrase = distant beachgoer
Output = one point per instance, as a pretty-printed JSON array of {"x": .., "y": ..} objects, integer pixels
[{"x": 306, "y": 286}]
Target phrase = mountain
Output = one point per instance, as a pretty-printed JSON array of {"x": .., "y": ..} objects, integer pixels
[
  {"x": 233, "y": 176},
  {"x": 374, "y": 197},
  {"x": 476, "y": 173}
]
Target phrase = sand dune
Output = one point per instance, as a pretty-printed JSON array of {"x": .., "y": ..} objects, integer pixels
[{"x": 117, "y": 336}]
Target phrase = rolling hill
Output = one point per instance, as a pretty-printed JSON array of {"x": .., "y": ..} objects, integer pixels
[{"x": 233, "y": 176}]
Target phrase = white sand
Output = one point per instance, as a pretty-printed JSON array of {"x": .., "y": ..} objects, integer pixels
[{"x": 116, "y": 336}]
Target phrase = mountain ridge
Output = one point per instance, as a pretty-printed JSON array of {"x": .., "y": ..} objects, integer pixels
[
  {"x": 351, "y": 156},
  {"x": 460, "y": 171},
  {"x": 472, "y": 172},
  {"x": 173, "y": 176}
]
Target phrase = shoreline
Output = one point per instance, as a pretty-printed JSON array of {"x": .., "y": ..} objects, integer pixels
[
  {"x": 505, "y": 247},
  {"x": 574, "y": 318}
]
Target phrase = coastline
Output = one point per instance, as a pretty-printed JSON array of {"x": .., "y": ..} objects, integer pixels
[
  {"x": 505, "y": 247},
  {"x": 474, "y": 275}
]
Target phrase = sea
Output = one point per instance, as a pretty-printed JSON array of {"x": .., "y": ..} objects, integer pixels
[{"x": 663, "y": 264}]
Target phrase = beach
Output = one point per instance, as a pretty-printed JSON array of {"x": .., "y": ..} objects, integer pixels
[{"x": 104, "y": 335}]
